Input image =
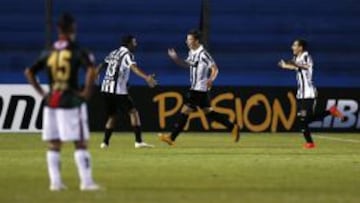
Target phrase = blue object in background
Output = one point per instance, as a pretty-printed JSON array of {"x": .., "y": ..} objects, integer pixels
[{"x": 247, "y": 37}]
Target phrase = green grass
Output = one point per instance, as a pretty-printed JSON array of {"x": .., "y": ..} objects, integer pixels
[{"x": 201, "y": 168}]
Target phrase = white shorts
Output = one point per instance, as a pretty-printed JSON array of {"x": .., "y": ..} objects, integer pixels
[{"x": 65, "y": 124}]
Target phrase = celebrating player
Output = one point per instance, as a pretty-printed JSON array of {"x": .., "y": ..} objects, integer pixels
[
  {"x": 203, "y": 72},
  {"x": 114, "y": 88},
  {"x": 306, "y": 95},
  {"x": 65, "y": 114}
]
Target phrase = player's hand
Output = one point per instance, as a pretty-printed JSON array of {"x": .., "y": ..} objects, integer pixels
[
  {"x": 209, "y": 83},
  {"x": 86, "y": 94},
  {"x": 151, "y": 81},
  {"x": 172, "y": 54},
  {"x": 282, "y": 63}
]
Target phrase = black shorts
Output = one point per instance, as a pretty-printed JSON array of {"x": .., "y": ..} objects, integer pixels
[
  {"x": 115, "y": 103},
  {"x": 306, "y": 105},
  {"x": 197, "y": 98}
]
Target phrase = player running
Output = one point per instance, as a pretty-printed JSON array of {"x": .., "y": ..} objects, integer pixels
[
  {"x": 203, "y": 72},
  {"x": 306, "y": 95},
  {"x": 65, "y": 113},
  {"x": 114, "y": 87}
]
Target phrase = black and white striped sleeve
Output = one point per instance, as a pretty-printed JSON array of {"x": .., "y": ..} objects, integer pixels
[
  {"x": 129, "y": 59},
  {"x": 207, "y": 59}
]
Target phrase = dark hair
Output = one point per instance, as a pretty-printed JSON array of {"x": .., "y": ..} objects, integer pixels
[
  {"x": 195, "y": 33},
  {"x": 303, "y": 43},
  {"x": 126, "y": 40},
  {"x": 66, "y": 22}
]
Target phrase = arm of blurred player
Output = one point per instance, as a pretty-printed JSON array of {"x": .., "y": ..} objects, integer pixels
[
  {"x": 180, "y": 62},
  {"x": 214, "y": 73},
  {"x": 89, "y": 82},
  {"x": 150, "y": 79},
  {"x": 290, "y": 65},
  {"x": 30, "y": 76},
  {"x": 287, "y": 65},
  {"x": 100, "y": 68}
]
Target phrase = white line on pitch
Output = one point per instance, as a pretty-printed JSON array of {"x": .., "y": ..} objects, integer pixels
[{"x": 337, "y": 139}]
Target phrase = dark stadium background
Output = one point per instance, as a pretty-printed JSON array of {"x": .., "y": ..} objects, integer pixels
[{"x": 247, "y": 37}]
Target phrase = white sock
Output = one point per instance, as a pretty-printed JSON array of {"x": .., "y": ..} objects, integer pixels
[
  {"x": 83, "y": 163},
  {"x": 53, "y": 163}
]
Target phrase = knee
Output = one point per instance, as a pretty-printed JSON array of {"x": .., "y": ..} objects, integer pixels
[
  {"x": 186, "y": 110},
  {"x": 54, "y": 145},
  {"x": 80, "y": 144},
  {"x": 133, "y": 112},
  {"x": 110, "y": 123}
]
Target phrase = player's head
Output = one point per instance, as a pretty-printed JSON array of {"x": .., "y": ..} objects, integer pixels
[
  {"x": 193, "y": 39},
  {"x": 299, "y": 46},
  {"x": 129, "y": 41},
  {"x": 67, "y": 26}
]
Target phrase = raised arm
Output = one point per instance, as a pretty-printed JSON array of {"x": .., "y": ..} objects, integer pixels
[
  {"x": 150, "y": 79},
  {"x": 174, "y": 56}
]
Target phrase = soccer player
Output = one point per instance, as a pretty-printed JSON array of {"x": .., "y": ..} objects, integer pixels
[
  {"x": 65, "y": 113},
  {"x": 114, "y": 87},
  {"x": 203, "y": 72},
  {"x": 306, "y": 95}
]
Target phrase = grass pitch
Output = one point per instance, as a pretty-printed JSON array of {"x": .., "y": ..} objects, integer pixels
[{"x": 203, "y": 167}]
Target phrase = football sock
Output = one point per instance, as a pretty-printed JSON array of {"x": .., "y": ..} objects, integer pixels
[
  {"x": 179, "y": 125},
  {"x": 221, "y": 119},
  {"x": 107, "y": 135},
  {"x": 304, "y": 126},
  {"x": 137, "y": 131},
  {"x": 307, "y": 136},
  {"x": 83, "y": 163},
  {"x": 53, "y": 164}
]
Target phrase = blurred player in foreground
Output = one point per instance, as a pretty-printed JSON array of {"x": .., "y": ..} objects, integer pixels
[
  {"x": 306, "y": 95},
  {"x": 114, "y": 87},
  {"x": 203, "y": 72},
  {"x": 65, "y": 113}
]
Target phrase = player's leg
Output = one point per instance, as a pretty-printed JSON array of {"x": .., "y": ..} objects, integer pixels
[
  {"x": 178, "y": 125},
  {"x": 181, "y": 121},
  {"x": 188, "y": 107},
  {"x": 50, "y": 134},
  {"x": 126, "y": 105},
  {"x": 333, "y": 111},
  {"x": 204, "y": 104},
  {"x": 111, "y": 115},
  {"x": 136, "y": 124},
  {"x": 109, "y": 128},
  {"x": 305, "y": 110},
  {"x": 221, "y": 118},
  {"x": 74, "y": 127}
]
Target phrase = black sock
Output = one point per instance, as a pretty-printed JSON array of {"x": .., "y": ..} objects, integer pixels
[
  {"x": 107, "y": 135},
  {"x": 307, "y": 136},
  {"x": 179, "y": 125},
  {"x": 137, "y": 131},
  {"x": 304, "y": 126},
  {"x": 221, "y": 119}
]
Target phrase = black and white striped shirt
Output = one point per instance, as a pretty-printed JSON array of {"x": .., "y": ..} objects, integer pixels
[
  {"x": 117, "y": 71},
  {"x": 306, "y": 88},
  {"x": 200, "y": 63}
]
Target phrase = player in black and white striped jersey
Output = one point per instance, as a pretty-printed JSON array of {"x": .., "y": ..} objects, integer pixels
[
  {"x": 203, "y": 72},
  {"x": 118, "y": 65},
  {"x": 306, "y": 95}
]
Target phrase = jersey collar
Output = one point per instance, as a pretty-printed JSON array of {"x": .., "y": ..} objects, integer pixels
[{"x": 199, "y": 49}]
